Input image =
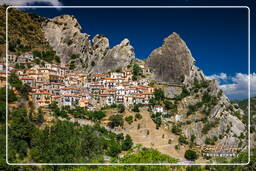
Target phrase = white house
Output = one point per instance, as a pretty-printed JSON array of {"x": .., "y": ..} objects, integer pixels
[
  {"x": 70, "y": 99},
  {"x": 158, "y": 109},
  {"x": 117, "y": 75}
]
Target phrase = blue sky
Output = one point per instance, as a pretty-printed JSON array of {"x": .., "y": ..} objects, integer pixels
[{"x": 217, "y": 38}]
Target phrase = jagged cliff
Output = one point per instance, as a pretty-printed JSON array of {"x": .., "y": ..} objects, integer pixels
[
  {"x": 64, "y": 35},
  {"x": 173, "y": 63}
]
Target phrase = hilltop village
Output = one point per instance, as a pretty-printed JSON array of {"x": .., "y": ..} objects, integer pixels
[{"x": 55, "y": 83}]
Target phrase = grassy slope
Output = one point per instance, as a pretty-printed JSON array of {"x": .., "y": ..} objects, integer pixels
[{"x": 24, "y": 31}]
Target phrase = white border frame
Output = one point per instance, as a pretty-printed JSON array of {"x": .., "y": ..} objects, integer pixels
[{"x": 108, "y": 164}]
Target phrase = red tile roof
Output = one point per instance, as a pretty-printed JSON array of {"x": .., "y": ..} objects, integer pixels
[
  {"x": 41, "y": 93},
  {"x": 71, "y": 95}
]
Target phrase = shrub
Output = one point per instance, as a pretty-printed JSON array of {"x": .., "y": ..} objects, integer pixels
[
  {"x": 114, "y": 150},
  {"x": 37, "y": 61},
  {"x": 211, "y": 141},
  {"x": 134, "y": 78},
  {"x": 127, "y": 144},
  {"x": 97, "y": 115},
  {"x": 120, "y": 137},
  {"x": 136, "y": 108},
  {"x": 157, "y": 119},
  {"x": 136, "y": 71},
  {"x": 48, "y": 55},
  {"x": 93, "y": 63},
  {"x": 192, "y": 138},
  {"x": 17, "y": 84},
  {"x": 75, "y": 56},
  {"x": 129, "y": 119},
  {"x": 177, "y": 147},
  {"x": 72, "y": 65},
  {"x": 184, "y": 93},
  {"x": 208, "y": 126},
  {"x": 69, "y": 42},
  {"x": 138, "y": 116},
  {"x": 121, "y": 108},
  {"x": 118, "y": 70},
  {"x": 11, "y": 96},
  {"x": 176, "y": 129},
  {"x": 115, "y": 121},
  {"x": 169, "y": 105},
  {"x": 219, "y": 93},
  {"x": 159, "y": 94},
  {"x": 183, "y": 140},
  {"x": 57, "y": 111},
  {"x": 191, "y": 155},
  {"x": 57, "y": 59},
  {"x": 193, "y": 108}
]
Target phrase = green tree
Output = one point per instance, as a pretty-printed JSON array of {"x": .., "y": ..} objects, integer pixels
[
  {"x": 17, "y": 84},
  {"x": 159, "y": 94},
  {"x": 25, "y": 90},
  {"x": 169, "y": 105},
  {"x": 129, "y": 119},
  {"x": 20, "y": 132},
  {"x": 115, "y": 121},
  {"x": 136, "y": 108},
  {"x": 191, "y": 155},
  {"x": 2, "y": 111},
  {"x": 157, "y": 119},
  {"x": 138, "y": 116},
  {"x": 176, "y": 129},
  {"x": 72, "y": 65},
  {"x": 121, "y": 108},
  {"x": 75, "y": 56},
  {"x": 11, "y": 96},
  {"x": 93, "y": 63},
  {"x": 97, "y": 115},
  {"x": 57, "y": 59},
  {"x": 127, "y": 144},
  {"x": 136, "y": 71},
  {"x": 114, "y": 150},
  {"x": 183, "y": 140},
  {"x": 14, "y": 81}
]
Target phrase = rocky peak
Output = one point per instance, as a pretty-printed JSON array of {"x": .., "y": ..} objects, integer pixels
[
  {"x": 64, "y": 35},
  {"x": 68, "y": 20},
  {"x": 117, "y": 57},
  {"x": 125, "y": 42},
  {"x": 100, "y": 41},
  {"x": 172, "y": 61}
]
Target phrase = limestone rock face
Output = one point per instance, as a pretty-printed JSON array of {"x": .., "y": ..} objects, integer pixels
[
  {"x": 117, "y": 57},
  {"x": 64, "y": 35},
  {"x": 172, "y": 61}
]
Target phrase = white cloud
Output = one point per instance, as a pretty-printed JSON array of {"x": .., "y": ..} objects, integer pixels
[
  {"x": 30, "y": 2},
  {"x": 221, "y": 77},
  {"x": 237, "y": 88}
]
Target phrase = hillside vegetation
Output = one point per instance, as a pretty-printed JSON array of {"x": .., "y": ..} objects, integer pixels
[{"x": 24, "y": 31}]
